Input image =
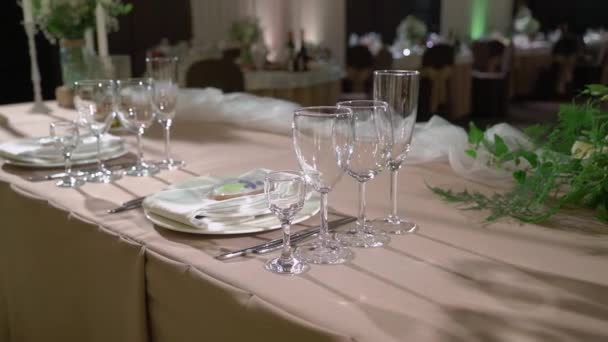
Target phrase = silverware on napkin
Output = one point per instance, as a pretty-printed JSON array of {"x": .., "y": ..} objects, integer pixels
[
  {"x": 277, "y": 243},
  {"x": 128, "y": 205}
]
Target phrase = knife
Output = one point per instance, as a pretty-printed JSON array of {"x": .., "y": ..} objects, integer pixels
[
  {"x": 128, "y": 205},
  {"x": 80, "y": 173},
  {"x": 277, "y": 243}
]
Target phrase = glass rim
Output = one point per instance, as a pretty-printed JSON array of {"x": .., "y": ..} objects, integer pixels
[
  {"x": 294, "y": 173},
  {"x": 323, "y": 111},
  {"x": 64, "y": 123},
  {"x": 363, "y": 104},
  {"x": 398, "y": 72},
  {"x": 135, "y": 80},
  {"x": 95, "y": 82},
  {"x": 163, "y": 59}
]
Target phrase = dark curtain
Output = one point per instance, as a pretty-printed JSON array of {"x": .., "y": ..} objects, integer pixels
[
  {"x": 578, "y": 14},
  {"x": 383, "y": 16}
]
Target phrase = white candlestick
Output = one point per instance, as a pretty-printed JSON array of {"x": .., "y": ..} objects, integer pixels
[
  {"x": 89, "y": 42},
  {"x": 102, "y": 33},
  {"x": 39, "y": 106},
  {"x": 28, "y": 11}
]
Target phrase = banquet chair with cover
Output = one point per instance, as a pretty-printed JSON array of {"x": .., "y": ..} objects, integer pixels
[
  {"x": 491, "y": 69},
  {"x": 359, "y": 68},
  {"x": 566, "y": 52},
  {"x": 437, "y": 68},
  {"x": 218, "y": 73}
]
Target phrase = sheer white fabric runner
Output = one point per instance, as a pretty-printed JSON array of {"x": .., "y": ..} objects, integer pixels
[{"x": 435, "y": 140}]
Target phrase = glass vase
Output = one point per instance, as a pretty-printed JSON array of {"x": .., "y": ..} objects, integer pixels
[{"x": 73, "y": 64}]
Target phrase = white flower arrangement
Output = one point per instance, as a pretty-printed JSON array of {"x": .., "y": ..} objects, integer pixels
[
  {"x": 245, "y": 31},
  {"x": 411, "y": 29}
]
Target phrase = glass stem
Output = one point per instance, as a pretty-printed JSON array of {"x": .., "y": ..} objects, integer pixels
[
  {"x": 286, "y": 226},
  {"x": 394, "y": 179},
  {"x": 362, "y": 205},
  {"x": 100, "y": 164},
  {"x": 167, "y": 138},
  {"x": 68, "y": 163},
  {"x": 140, "y": 150},
  {"x": 324, "y": 231}
]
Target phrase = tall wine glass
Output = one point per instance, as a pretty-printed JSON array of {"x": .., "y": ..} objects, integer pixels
[
  {"x": 164, "y": 96},
  {"x": 321, "y": 138},
  {"x": 66, "y": 137},
  {"x": 95, "y": 102},
  {"x": 285, "y": 193},
  {"x": 399, "y": 88},
  {"x": 136, "y": 113},
  {"x": 370, "y": 151}
]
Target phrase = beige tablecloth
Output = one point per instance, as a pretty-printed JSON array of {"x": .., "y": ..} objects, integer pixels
[{"x": 71, "y": 272}]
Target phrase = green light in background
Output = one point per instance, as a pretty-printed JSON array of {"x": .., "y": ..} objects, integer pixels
[{"x": 479, "y": 14}]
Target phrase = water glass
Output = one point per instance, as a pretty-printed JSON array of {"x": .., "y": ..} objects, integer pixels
[
  {"x": 369, "y": 154},
  {"x": 285, "y": 193},
  {"x": 95, "y": 101},
  {"x": 136, "y": 113},
  {"x": 321, "y": 139},
  {"x": 398, "y": 88},
  {"x": 164, "y": 97},
  {"x": 66, "y": 137}
]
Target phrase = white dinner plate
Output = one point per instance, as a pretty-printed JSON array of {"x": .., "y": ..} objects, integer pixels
[
  {"x": 39, "y": 164},
  {"x": 260, "y": 224}
]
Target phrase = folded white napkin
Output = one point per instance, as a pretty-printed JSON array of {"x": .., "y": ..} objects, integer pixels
[
  {"x": 44, "y": 150},
  {"x": 184, "y": 201}
]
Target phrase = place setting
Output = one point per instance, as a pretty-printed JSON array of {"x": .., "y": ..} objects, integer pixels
[
  {"x": 357, "y": 139},
  {"x": 87, "y": 147}
]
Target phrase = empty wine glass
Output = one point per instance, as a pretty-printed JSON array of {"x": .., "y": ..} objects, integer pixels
[
  {"x": 370, "y": 151},
  {"x": 285, "y": 193},
  {"x": 95, "y": 102},
  {"x": 164, "y": 95},
  {"x": 399, "y": 88},
  {"x": 66, "y": 137},
  {"x": 136, "y": 113},
  {"x": 321, "y": 139}
]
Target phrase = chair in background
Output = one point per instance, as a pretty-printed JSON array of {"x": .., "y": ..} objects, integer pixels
[
  {"x": 491, "y": 68},
  {"x": 437, "y": 68},
  {"x": 359, "y": 68},
  {"x": 566, "y": 52},
  {"x": 383, "y": 60},
  {"x": 218, "y": 73}
]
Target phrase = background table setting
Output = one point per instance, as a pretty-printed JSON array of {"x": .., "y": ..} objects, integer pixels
[{"x": 429, "y": 272}]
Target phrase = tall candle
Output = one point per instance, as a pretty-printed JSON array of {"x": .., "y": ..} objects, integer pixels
[
  {"x": 28, "y": 11},
  {"x": 89, "y": 42},
  {"x": 102, "y": 33}
]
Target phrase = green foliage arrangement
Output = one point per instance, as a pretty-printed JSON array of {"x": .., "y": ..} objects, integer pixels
[
  {"x": 68, "y": 19},
  {"x": 567, "y": 168}
]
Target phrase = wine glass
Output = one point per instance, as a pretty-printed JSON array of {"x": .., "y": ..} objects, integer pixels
[
  {"x": 285, "y": 193},
  {"x": 66, "y": 137},
  {"x": 164, "y": 96},
  {"x": 136, "y": 113},
  {"x": 321, "y": 139},
  {"x": 399, "y": 88},
  {"x": 95, "y": 102},
  {"x": 370, "y": 151}
]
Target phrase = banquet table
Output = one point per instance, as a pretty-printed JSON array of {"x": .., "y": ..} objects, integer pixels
[
  {"x": 459, "y": 84},
  {"x": 71, "y": 272},
  {"x": 316, "y": 87}
]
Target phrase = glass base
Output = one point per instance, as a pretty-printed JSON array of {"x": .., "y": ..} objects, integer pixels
[
  {"x": 70, "y": 182},
  {"x": 287, "y": 266},
  {"x": 142, "y": 170},
  {"x": 395, "y": 226},
  {"x": 103, "y": 176},
  {"x": 329, "y": 253},
  {"x": 367, "y": 238},
  {"x": 170, "y": 164}
]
